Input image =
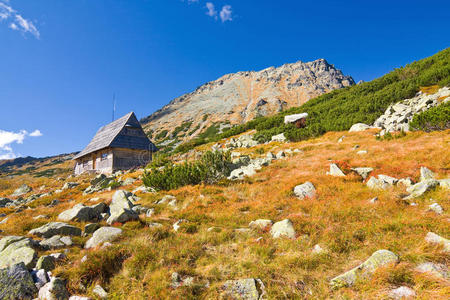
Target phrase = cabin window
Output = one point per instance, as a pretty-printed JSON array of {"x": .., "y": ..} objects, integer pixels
[{"x": 104, "y": 156}]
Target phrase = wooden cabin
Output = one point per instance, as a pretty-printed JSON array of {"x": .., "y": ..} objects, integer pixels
[{"x": 120, "y": 145}]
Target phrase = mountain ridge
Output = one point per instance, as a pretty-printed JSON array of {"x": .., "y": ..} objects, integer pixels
[{"x": 238, "y": 97}]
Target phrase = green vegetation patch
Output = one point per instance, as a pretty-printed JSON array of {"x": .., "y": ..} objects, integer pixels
[
  {"x": 436, "y": 118},
  {"x": 210, "y": 168}
]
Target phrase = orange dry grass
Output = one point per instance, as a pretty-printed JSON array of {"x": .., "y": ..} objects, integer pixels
[{"x": 340, "y": 219}]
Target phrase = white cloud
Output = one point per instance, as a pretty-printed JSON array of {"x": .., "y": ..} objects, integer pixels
[
  {"x": 16, "y": 21},
  {"x": 7, "y": 138},
  {"x": 226, "y": 13},
  {"x": 212, "y": 12},
  {"x": 36, "y": 133}
]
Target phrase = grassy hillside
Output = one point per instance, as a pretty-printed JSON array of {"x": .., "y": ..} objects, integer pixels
[
  {"x": 212, "y": 247},
  {"x": 340, "y": 109}
]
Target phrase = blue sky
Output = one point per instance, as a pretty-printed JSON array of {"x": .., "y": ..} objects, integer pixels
[{"x": 61, "y": 61}]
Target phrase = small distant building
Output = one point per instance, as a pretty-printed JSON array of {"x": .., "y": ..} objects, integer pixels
[
  {"x": 299, "y": 120},
  {"x": 120, "y": 145}
]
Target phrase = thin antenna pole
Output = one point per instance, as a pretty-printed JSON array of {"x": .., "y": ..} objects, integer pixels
[{"x": 114, "y": 105}]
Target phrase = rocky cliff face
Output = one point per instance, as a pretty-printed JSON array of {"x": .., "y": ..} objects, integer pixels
[{"x": 240, "y": 97}]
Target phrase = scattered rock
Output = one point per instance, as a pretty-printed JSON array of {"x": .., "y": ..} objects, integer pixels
[
  {"x": 56, "y": 242},
  {"x": 46, "y": 262},
  {"x": 318, "y": 250},
  {"x": 433, "y": 238},
  {"x": 436, "y": 208},
  {"x": 260, "y": 224},
  {"x": 445, "y": 183},
  {"x": 102, "y": 235},
  {"x": 56, "y": 228},
  {"x": 82, "y": 213},
  {"x": 363, "y": 172},
  {"x": 100, "y": 292},
  {"x": 437, "y": 270},
  {"x": 54, "y": 290},
  {"x": 421, "y": 188},
  {"x": 17, "y": 249},
  {"x": 79, "y": 298},
  {"x": 281, "y": 154},
  {"x": 22, "y": 190},
  {"x": 305, "y": 190},
  {"x": 177, "y": 226},
  {"x": 426, "y": 174},
  {"x": 69, "y": 185},
  {"x": 402, "y": 293},
  {"x": 335, "y": 171},
  {"x": 397, "y": 116},
  {"x": 279, "y": 138},
  {"x": 377, "y": 184},
  {"x": 283, "y": 229},
  {"x": 5, "y": 202},
  {"x": 361, "y": 152},
  {"x": 378, "y": 259},
  {"x": 373, "y": 200},
  {"x": 407, "y": 182},
  {"x": 244, "y": 289},
  {"x": 341, "y": 139},
  {"x": 90, "y": 228},
  {"x": 17, "y": 283},
  {"x": 121, "y": 208},
  {"x": 40, "y": 277},
  {"x": 359, "y": 127},
  {"x": 178, "y": 280}
]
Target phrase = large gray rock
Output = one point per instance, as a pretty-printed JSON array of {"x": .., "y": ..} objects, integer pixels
[
  {"x": 244, "y": 289},
  {"x": 17, "y": 283},
  {"x": 17, "y": 249},
  {"x": 378, "y": 259},
  {"x": 102, "y": 235},
  {"x": 121, "y": 208},
  {"x": 22, "y": 190},
  {"x": 56, "y": 228},
  {"x": 54, "y": 290},
  {"x": 305, "y": 190},
  {"x": 46, "y": 262},
  {"x": 421, "y": 188},
  {"x": 359, "y": 127},
  {"x": 82, "y": 213},
  {"x": 56, "y": 242},
  {"x": 433, "y": 238},
  {"x": 335, "y": 171},
  {"x": 40, "y": 277},
  {"x": 283, "y": 229}
]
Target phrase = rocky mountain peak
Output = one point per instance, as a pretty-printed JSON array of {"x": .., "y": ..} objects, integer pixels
[{"x": 239, "y": 97}]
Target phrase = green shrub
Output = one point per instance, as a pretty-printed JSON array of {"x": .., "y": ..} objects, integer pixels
[
  {"x": 161, "y": 135},
  {"x": 362, "y": 103},
  {"x": 436, "y": 118},
  {"x": 210, "y": 168}
]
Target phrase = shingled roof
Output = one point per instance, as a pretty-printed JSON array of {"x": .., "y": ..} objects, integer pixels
[{"x": 110, "y": 136}]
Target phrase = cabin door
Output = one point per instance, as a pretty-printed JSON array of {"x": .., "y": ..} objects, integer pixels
[{"x": 94, "y": 161}]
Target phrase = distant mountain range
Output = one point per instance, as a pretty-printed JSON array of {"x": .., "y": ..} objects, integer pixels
[{"x": 240, "y": 97}]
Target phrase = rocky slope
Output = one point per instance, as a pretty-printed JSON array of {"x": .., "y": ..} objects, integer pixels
[
  {"x": 240, "y": 97},
  {"x": 320, "y": 219}
]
